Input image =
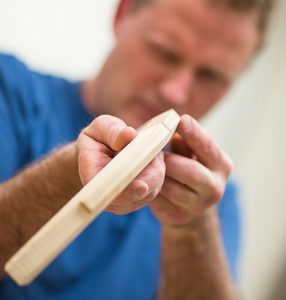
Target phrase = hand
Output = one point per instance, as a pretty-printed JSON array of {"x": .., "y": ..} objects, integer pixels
[
  {"x": 98, "y": 144},
  {"x": 196, "y": 175}
]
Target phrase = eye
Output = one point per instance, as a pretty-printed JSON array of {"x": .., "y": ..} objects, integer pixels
[
  {"x": 212, "y": 76},
  {"x": 165, "y": 54},
  {"x": 208, "y": 74}
]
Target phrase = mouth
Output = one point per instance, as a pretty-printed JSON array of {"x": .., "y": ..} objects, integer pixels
[{"x": 151, "y": 111}]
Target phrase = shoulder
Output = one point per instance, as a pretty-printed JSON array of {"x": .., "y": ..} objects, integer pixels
[
  {"x": 15, "y": 74},
  {"x": 15, "y": 83},
  {"x": 7, "y": 60},
  {"x": 37, "y": 112},
  {"x": 11, "y": 68},
  {"x": 27, "y": 92}
]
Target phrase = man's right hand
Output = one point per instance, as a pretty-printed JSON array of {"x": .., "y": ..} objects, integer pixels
[
  {"x": 98, "y": 144},
  {"x": 41, "y": 189}
]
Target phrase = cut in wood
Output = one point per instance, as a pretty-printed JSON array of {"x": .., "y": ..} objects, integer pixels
[{"x": 92, "y": 199}]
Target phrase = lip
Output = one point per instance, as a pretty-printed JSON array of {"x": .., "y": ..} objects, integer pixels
[
  {"x": 148, "y": 112},
  {"x": 152, "y": 110}
]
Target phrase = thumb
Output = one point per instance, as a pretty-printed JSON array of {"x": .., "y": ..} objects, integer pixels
[{"x": 110, "y": 131}]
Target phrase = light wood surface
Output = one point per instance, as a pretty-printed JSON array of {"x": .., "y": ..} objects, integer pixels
[{"x": 93, "y": 198}]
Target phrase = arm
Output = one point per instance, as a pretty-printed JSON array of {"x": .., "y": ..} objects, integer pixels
[
  {"x": 28, "y": 200},
  {"x": 32, "y": 197},
  {"x": 194, "y": 265},
  {"x": 193, "y": 261}
]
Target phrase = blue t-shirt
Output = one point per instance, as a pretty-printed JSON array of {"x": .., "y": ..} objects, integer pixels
[{"x": 116, "y": 257}]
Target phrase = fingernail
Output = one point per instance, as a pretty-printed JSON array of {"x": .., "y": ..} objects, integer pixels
[
  {"x": 186, "y": 124},
  {"x": 132, "y": 129},
  {"x": 141, "y": 192}
]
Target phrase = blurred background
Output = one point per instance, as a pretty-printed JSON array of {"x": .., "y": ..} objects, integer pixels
[{"x": 72, "y": 37}]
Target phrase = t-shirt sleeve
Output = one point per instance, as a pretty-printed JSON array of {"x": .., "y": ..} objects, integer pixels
[
  {"x": 13, "y": 116},
  {"x": 9, "y": 159},
  {"x": 229, "y": 216},
  {"x": 37, "y": 113}
]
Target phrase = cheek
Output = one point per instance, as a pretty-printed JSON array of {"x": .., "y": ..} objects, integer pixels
[
  {"x": 145, "y": 69},
  {"x": 202, "y": 99}
]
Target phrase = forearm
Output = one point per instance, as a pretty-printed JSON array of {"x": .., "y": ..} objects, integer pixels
[
  {"x": 193, "y": 263},
  {"x": 32, "y": 197}
]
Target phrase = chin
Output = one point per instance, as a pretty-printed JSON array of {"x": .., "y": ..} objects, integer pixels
[
  {"x": 134, "y": 119},
  {"x": 134, "y": 122}
]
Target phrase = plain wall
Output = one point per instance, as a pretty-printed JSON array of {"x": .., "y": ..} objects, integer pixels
[{"x": 72, "y": 37}]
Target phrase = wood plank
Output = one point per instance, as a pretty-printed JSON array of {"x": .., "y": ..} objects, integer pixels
[{"x": 92, "y": 199}]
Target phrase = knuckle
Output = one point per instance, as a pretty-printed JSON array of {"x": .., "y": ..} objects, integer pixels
[
  {"x": 101, "y": 119},
  {"x": 212, "y": 149},
  {"x": 94, "y": 124},
  {"x": 157, "y": 177},
  {"x": 161, "y": 174},
  {"x": 120, "y": 212},
  {"x": 217, "y": 194},
  {"x": 80, "y": 139},
  {"x": 209, "y": 147},
  {"x": 150, "y": 197},
  {"x": 228, "y": 166},
  {"x": 158, "y": 164},
  {"x": 83, "y": 158},
  {"x": 117, "y": 209},
  {"x": 155, "y": 193},
  {"x": 113, "y": 134}
]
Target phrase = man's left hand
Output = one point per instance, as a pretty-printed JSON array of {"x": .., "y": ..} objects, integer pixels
[{"x": 196, "y": 175}]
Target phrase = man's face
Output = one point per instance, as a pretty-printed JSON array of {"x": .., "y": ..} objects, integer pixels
[{"x": 181, "y": 54}]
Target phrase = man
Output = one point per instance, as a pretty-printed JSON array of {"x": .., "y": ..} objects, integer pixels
[{"x": 183, "y": 54}]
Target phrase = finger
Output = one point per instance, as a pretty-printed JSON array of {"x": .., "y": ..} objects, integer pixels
[
  {"x": 134, "y": 193},
  {"x": 203, "y": 146},
  {"x": 169, "y": 213},
  {"x": 145, "y": 187},
  {"x": 110, "y": 131},
  {"x": 180, "y": 195},
  {"x": 154, "y": 174},
  {"x": 92, "y": 157},
  {"x": 127, "y": 209},
  {"x": 208, "y": 186},
  {"x": 122, "y": 205},
  {"x": 146, "y": 200},
  {"x": 127, "y": 203},
  {"x": 188, "y": 172},
  {"x": 179, "y": 146}
]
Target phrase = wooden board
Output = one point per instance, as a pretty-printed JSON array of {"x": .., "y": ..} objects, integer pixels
[{"x": 93, "y": 198}]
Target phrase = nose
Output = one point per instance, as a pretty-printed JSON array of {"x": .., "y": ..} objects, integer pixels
[{"x": 175, "y": 89}]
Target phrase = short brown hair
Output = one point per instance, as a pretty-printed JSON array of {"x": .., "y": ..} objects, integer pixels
[{"x": 263, "y": 7}]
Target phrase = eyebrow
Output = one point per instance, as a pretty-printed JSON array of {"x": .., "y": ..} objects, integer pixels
[{"x": 169, "y": 39}]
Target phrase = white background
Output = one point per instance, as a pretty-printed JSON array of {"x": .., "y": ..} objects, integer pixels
[{"x": 72, "y": 37}]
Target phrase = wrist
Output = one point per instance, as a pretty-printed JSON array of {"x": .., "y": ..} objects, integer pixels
[
  {"x": 198, "y": 225},
  {"x": 68, "y": 159}
]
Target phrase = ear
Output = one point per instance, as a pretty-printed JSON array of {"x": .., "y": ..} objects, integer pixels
[{"x": 122, "y": 11}]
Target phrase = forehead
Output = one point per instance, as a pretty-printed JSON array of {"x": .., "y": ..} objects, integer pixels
[{"x": 214, "y": 30}]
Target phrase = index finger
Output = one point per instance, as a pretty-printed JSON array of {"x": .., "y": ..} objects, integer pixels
[{"x": 203, "y": 146}]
